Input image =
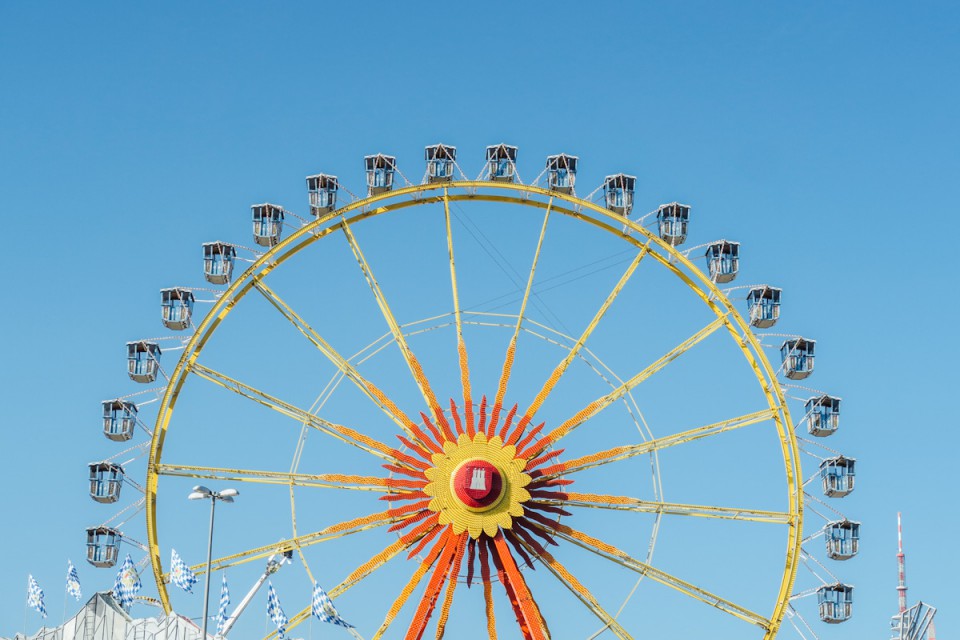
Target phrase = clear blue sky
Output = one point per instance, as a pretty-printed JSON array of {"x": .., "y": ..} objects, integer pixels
[{"x": 822, "y": 137}]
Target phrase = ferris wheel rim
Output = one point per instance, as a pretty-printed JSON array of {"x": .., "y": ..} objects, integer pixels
[{"x": 475, "y": 190}]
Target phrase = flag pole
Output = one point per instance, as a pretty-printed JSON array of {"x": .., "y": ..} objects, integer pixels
[
  {"x": 26, "y": 605},
  {"x": 206, "y": 580},
  {"x": 63, "y": 619}
]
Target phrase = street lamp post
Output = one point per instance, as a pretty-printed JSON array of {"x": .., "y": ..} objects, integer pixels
[{"x": 202, "y": 493}]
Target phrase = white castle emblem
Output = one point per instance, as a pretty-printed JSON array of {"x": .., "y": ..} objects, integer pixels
[{"x": 479, "y": 479}]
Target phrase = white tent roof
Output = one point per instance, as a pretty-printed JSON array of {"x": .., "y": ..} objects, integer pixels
[{"x": 102, "y": 618}]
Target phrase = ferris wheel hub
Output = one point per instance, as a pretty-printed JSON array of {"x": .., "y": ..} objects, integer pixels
[{"x": 477, "y": 484}]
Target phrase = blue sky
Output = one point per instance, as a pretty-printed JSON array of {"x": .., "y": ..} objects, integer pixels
[{"x": 822, "y": 138}]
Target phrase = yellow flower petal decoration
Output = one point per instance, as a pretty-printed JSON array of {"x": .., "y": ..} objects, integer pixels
[{"x": 452, "y": 510}]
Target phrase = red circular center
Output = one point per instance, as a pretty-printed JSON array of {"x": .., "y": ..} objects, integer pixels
[{"x": 477, "y": 483}]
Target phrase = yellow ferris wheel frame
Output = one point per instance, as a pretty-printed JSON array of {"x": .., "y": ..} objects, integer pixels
[{"x": 517, "y": 194}]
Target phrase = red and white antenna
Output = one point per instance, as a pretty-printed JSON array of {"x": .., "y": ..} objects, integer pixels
[{"x": 902, "y": 583}]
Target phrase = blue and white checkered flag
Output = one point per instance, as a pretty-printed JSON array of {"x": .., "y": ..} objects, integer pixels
[
  {"x": 322, "y": 606},
  {"x": 224, "y": 603},
  {"x": 35, "y": 597},
  {"x": 73, "y": 581},
  {"x": 127, "y": 585},
  {"x": 275, "y": 611},
  {"x": 180, "y": 573}
]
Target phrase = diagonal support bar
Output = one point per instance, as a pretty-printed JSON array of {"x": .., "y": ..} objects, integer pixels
[
  {"x": 332, "y": 532},
  {"x": 451, "y": 585},
  {"x": 412, "y": 363},
  {"x": 579, "y": 591},
  {"x": 342, "y": 364},
  {"x": 411, "y": 585},
  {"x": 324, "y": 481},
  {"x": 512, "y": 346},
  {"x": 458, "y": 317},
  {"x": 658, "y": 444},
  {"x": 428, "y": 600},
  {"x": 599, "y": 404},
  {"x": 340, "y": 432},
  {"x": 561, "y": 368},
  {"x": 613, "y": 554},
  {"x": 623, "y": 503},
  {"x": 532, "y": 624}
]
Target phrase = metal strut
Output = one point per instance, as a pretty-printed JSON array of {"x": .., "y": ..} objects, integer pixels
[{"x": 273, "y": 565}]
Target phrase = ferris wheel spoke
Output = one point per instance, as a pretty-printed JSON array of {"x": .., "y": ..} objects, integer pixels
[
  {"x": 657, "y": 444},
  {"x": 531, "y": 621},
  {"x": 324, "y": 481},
  {"x": 561, "y": 368},
  {"x": 461, "y": 346},
  {"x": 428, "y": 600},
  {"x": 343, "y": 365},
  {"x": 623, "y": 559},
  {"x": 483, "y": 554},
  {"x": 601, "y": 403},
  {"x": 423, "y": 534},
  {"x": 412, "y": 363},
  {"x": 582, "y": 594},
  {"x": 369, "y": 567},
  {"x": 340, "y": 432},
  {"x": 411, "y": 585},
  {"x": 333, "y": 532},
  {"x": 454, "y": 576},
  {"x": 512, "y": 345},
  {"x": 622, "y": 503}
]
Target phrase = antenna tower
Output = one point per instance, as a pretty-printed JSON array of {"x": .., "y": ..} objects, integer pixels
[
  {"x": 916, "y": 622},
  {"x": 901, "y": 569}
]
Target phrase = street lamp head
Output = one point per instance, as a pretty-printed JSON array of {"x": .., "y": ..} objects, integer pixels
[{"x": 201, "y": 492}]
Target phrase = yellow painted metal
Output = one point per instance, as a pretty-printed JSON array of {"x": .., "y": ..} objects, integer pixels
[
  {"x": 454, "y": 512},
  {"x": 411, "y": 585},
  {"x": 512, "y": 347},
  {"x": 601, "y": 403},
  {"x": 338, "y": 360},
  {"x": 623, "y": 503},
  {"x": 340, "y": 432},
  {"x": 326, "y": 534},
  {"x": 508, "y": 193},
  {"x": 657, "y": 444},
  {"x": 452, "y": 580},
  {"x": 359, "y": 574},
  {"x": 295, "y": 621},
  {"x": 582, "y": 594},
  {"x": 371, "y": 565},
  {"x": 323, "y": 481},
  {"x": 458, "y": 318},
  {"x": 582, "y": 340},
  {"x": 412, "y": 363},
  {"x": 626, "y": 560}
]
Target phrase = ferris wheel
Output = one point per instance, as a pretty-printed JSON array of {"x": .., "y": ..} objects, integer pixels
[{"x": 487, "y": 408}]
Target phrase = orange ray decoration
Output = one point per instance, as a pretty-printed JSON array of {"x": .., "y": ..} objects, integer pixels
[{"x": 470, "y": 483}]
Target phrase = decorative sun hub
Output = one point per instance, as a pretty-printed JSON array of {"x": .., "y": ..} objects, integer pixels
[{"x": 477, "y": 485}]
